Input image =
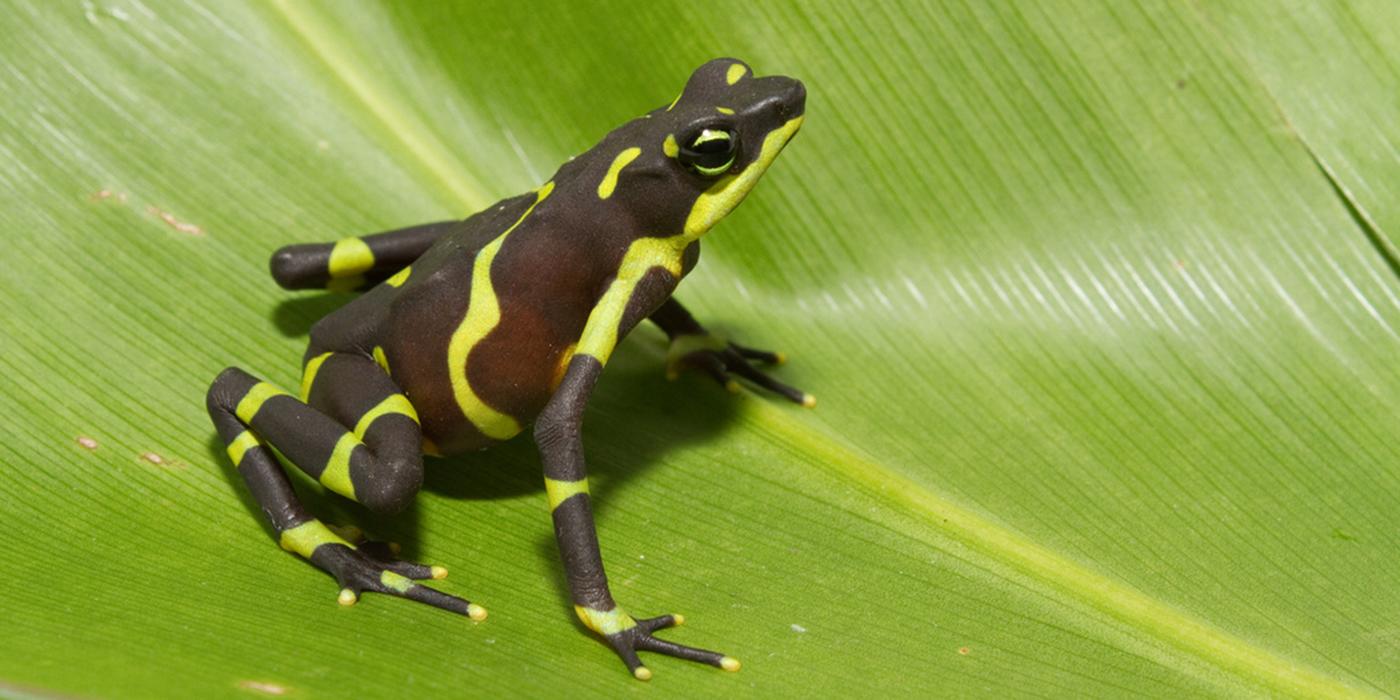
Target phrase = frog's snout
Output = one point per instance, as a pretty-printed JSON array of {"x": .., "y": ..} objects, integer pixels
[{"x": 793, "y": 101}]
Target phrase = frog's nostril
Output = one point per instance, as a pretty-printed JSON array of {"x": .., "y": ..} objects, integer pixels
[{"x": 794, "y": 100}]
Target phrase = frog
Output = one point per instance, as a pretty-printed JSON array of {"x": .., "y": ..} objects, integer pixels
[{"x": 466, "y": 332}]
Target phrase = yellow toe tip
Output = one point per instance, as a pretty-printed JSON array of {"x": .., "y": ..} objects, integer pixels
[
  {"x": 395, "y": 547},
  {"x": 439, "y": 572},
  {"x": 347, "y": 597},
  {"x": 476, "y": 612},
  {"x": 672, "y": 375},
  {"x": 729, "y": 663},
  {"x": 642, "y": 673},
  {"x": 679, "y": 619},
  {"x": 779, "y": 358},
  {"x": 809, "y": 401},
  {"x": 732, "y": 385}
]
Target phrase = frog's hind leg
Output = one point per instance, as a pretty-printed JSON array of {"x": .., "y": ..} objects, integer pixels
[
  {"x": 354, "y": 263},
  {"x": 377, "y": 461}
]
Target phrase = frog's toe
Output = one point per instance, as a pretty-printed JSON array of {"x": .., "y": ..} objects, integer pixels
[
  {"x": 629, "y": 641},
  {"x": 765, "y": 356},
  {"x": 358, "y": 571}
]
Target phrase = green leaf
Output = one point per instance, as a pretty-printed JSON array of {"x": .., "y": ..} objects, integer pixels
[{"x": 1099, "y": 301}]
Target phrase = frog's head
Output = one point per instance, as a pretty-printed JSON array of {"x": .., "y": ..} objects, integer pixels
[
  {"x": 696, "y": 159},
  {"x": 729, "y": 127}
]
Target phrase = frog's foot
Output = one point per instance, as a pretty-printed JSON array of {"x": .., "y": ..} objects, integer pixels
[
  {"x": 372, "y": 566},
  {"x": 723, "y": 361},
  {"x": 628, "y": 636}
]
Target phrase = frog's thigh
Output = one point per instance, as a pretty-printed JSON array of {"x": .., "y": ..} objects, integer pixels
[
  {"x": 357, "y": 393},
  {"x": 361, "y": 453}
]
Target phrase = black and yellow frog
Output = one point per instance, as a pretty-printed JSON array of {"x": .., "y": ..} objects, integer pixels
[{"x": 469, "y": 330}]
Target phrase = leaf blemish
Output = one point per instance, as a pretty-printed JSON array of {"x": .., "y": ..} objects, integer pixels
[
  {"x": 153, "y": 458},
  {"x": 175, "y": 223},
  {"x": 103, "y": 195},
  {"x": 798, "y": 628},
  {"x": 265, "y": 688},
  {"x": 964, "y": 651},
  {"x": 87, "y": 442}
]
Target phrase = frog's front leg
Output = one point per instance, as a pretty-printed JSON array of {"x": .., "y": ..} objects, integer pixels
[
  {"x": 720, "y": 359},
  {"x": 378, "y": 462},
  {"x": 557, "y": 432}
]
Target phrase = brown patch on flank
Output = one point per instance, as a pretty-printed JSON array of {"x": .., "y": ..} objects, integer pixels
[
  {"x": 175, "y": 223},
  {"x": 87, "y": 442},
  {"x": 265, "y": 688}
]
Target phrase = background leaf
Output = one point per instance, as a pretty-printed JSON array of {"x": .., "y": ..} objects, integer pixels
[{"x": 1095, "y": 298}]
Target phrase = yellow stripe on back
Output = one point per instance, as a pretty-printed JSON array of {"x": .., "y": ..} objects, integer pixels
[
  {"x": 350, "y": 256},
  {"x": 483, "y": 313},
  {"x": 609, "y": 183},
  {"x": 255, "y": 398}
]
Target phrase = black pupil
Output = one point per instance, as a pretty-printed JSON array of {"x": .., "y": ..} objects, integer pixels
[{"x": 713, "y": 153}]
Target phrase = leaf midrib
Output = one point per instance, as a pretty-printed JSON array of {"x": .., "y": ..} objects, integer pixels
[{"x": 1114, "y": 598}]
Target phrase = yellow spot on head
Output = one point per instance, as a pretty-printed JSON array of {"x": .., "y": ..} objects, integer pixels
[
  {"x": 476, "y": 612},
  {"x": 736, "y": 71},
  {"x": 347, "y": 597},
  {"x": 724, "y": 110},
  {"x": 729, "y": 663},
  {"x": 669, "y": 146},
  {"x": 350, "y": 256},
  {"x": 609, "y": 183},
  {"x": 642, "y": 673}
]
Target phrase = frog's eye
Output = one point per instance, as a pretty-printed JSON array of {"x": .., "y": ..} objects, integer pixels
[{"x": 711, "y": 152}]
